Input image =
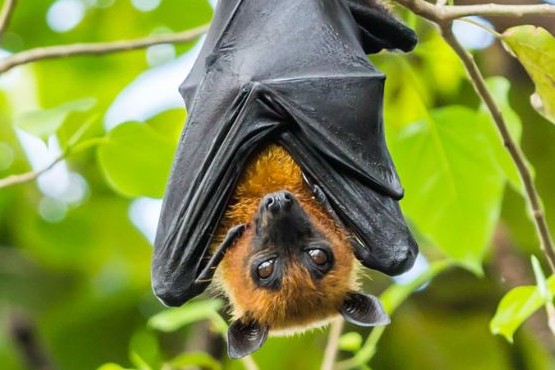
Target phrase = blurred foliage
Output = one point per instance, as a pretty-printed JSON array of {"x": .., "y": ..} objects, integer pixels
[
  {"x": 46, "y": 122},
  {"x": 75, "y": 262},
  {"x": 136, "y": 158}
]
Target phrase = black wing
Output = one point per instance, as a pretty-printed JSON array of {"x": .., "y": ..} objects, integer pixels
[{"x": 293, "y": 72}]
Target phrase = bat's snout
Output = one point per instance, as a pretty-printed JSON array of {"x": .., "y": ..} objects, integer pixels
[{"x": 278, "y": 202}]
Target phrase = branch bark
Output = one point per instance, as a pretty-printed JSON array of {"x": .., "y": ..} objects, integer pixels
[
  {"x": 6, "y": 15},
  {"x": 61, "y": 51}
]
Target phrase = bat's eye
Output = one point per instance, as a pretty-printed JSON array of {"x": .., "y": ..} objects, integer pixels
[
  {"x": 318, "y": 259},
  {"x": 318, "y": 256},
  {"x": 266, "y": 269}
]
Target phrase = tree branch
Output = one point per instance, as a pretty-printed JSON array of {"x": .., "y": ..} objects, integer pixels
[
  {"x": 60, "y": 51},
  {"x": 6, "y": 15},
  {"x": 495, "y": 10},
  {"x": 442, "y": 16},
  {"x": 28, "y": 176}
]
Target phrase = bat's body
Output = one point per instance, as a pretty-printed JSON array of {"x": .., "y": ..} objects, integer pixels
[{"x": 292, "y": 73}]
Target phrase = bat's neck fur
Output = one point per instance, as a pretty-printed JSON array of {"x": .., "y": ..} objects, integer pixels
[{"x": 302, "y": 301}]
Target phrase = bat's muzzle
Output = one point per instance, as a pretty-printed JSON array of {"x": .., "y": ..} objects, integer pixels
[
  {"x": 278, "y": 202},
  {"x": 281, "y": 221},
  {"x": 279, "y": 212}
]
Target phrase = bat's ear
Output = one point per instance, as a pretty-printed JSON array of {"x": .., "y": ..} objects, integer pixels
[
  {"x": 379, "y": 28},
  {"x": 363, "y": 310},
  {"x": 244, "y": 337}
]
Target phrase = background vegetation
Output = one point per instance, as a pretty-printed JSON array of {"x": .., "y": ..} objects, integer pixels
[{"x": 85, "y": 148}]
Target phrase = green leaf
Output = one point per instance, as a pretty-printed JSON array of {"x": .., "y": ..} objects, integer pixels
[
  {"x": 195, "y": 359},
  {"x": 350, "y": 342},
  {"x": 534, "y": 47},
  {"x": 454, "y": 184},
  {"x": 43, "y": 123},
  {"x": 144, "y": 351},
  {"x": 499, "y": 88},
  {"x": 517, "y": 306},
  {"x": 136, "y": 159},
  {"x": 176, "y": 318}
]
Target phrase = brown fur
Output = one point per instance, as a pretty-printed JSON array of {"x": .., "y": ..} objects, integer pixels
[{"x": 301, "y": 301}]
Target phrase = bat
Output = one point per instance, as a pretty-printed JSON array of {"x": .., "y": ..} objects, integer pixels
[
  {"x": 291, "y": 267},
  {"x": 285, "y": 88}
]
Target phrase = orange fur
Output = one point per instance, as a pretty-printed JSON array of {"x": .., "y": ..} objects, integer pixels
[{"x": 301, "y": 301}]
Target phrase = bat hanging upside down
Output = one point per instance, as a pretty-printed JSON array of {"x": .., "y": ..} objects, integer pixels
[
  {"x": 291, "y": 266},
  {"x": 283, "y": 160}
]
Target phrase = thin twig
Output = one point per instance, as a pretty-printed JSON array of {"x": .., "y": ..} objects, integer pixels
[
  {"x": 60, "y": 51},
  {"x": 333, "y": 344},
  {"x": 441, "y": 14},
  {"x": 517, "y": 155},
  {"x": 6, "y": 15},
  {"x": 28, "y": 176},
  {"x": 516, "y": 11}
]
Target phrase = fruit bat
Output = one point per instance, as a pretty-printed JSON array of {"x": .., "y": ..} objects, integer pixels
[{"x": 282, "y": 180}]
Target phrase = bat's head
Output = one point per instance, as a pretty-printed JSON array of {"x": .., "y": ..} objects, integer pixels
[{"x": 292, "y": 269}]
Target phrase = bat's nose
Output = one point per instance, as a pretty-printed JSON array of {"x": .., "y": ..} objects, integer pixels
[{"x": 279, "y": 201}]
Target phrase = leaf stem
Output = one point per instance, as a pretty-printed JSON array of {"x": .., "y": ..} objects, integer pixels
[
  {"x": 480, "y": 25},
  {"x": 100, "y": 48}
]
